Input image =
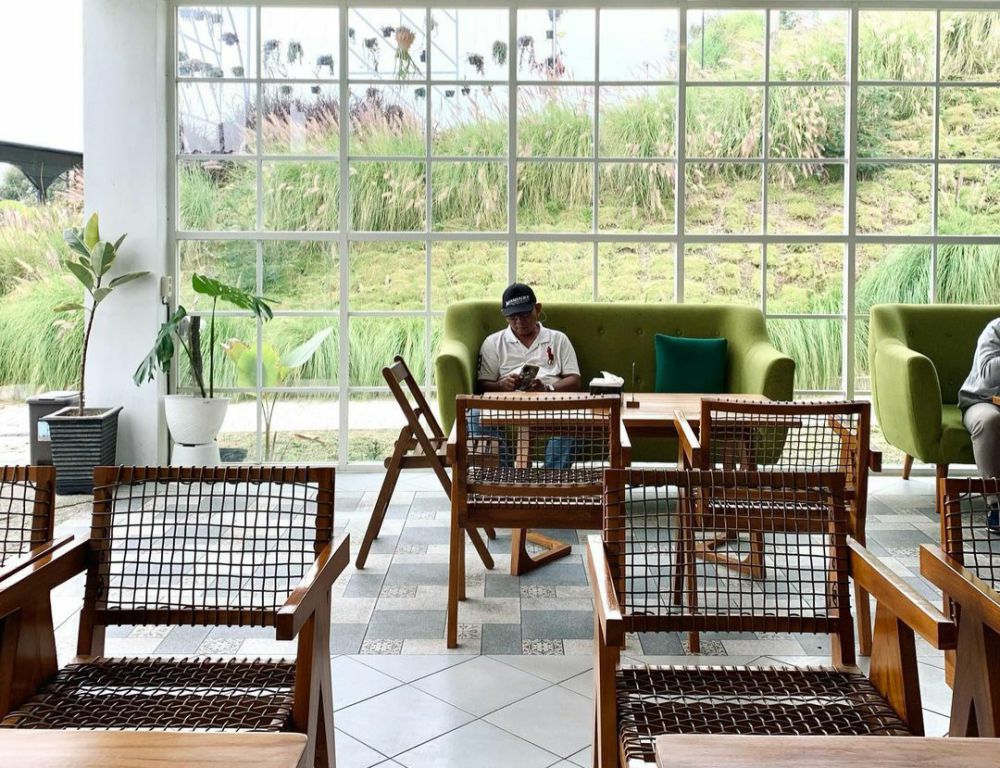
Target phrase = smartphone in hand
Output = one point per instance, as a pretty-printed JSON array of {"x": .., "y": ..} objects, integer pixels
[{"x": 528, "y": 374}]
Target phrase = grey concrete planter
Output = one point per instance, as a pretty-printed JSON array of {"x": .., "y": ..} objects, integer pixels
[{"x": 80, "y": 443}]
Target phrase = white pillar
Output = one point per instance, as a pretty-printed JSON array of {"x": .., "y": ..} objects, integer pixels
[{"x": 125, "y": 140}]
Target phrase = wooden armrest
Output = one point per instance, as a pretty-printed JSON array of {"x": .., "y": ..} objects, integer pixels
[
  {"x": 688, "y": 440},
  {"x": 902, "y": 600},
  {"x": 603, "y": 587},
  {"x": 33, "y": 555},
  {"x": 626, "y": 444},
  {"x": 52, "y": 568},
  {"x": 314, "y": 587},
  {"x": 875, "y": 461},
  {"x": 960, "y": 584}
]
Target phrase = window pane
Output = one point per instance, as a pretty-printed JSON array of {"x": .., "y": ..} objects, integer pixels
[
  {"x": 555, "y": 197},
  {"x": 970, "y": 123},
  {"x": 637, "y": 197},
  {"x": 387, "y": 196},
  {"x": 462, "y": 271},
  {"x": 216, "y": 118},
  {"x": 555, "y": 44},
  {"x": 724, "y": 122},
  {"x": 300, "y": 43},
  {"x": 301, "y": 196},
  {"x": 970, "y": 45},
  {"x": 891, "y": 274},
  {"x": 816, "y": 346},
  {"x": 559, "y": 271},
  {"x": 555, "y": 121},
  {"x": 805, "y": 198},
  {"x": 805, "y": 279},
  {"x": 238, "y": 436},
  {"x": 895, "y": 121},
  {"x": 387, "y": 275},
  {"x": 469, "y": 120},
  {"x": 639, "y": 44},
  {"x": 862, "y": 379},
  {"x": 302, "y": 275},
  {"x": 311, "y": 338},
  {"x": 808, "y": 45},
  {"x": 894, "y": 199},
  {"x": 725, "y": 45},
  {"x": 216, "y": 41},
  {"x": 723, "y": 198},
  {"x": 726, "y": 273},
  {"x": 896, "y": 45},
  {"x": 375, "y": 341},
  {"x": 234, "y": 262},
  {"x": 638, "y": 121},
  {"x": 469, "y": 43},
  {"x": 300, "y": 119},
  {"x": 969, "y": 199},
  {"x": 375, "y": 421},
  {"x": 468, "y": 197},
  {"x": 387, "y": 43},
  {"x": 807, "y": 122},
  {"x": 641, "y": 272},
  {"x": 967, "y": 274},
  {"x": 388, "y": 120},
  {"x": 216, "y": 195},
  {"x": 299, "y": 428}
]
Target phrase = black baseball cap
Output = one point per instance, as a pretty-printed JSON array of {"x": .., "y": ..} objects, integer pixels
[{"x": 517, "y": 299}]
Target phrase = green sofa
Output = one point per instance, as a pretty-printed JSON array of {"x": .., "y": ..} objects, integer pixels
[
  {"x": 611, "y": 337},
  {"x": 918, "y": 357}
]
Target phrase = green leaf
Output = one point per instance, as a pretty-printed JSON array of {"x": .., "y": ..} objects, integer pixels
[
  {"x": 103, "y": 256},
  {"x": 303, "y": 353},
  {"x": 101, "y": 294},
  {"x": 119, "y": 241},
  {"x": 81, "y": 273},
  {"x": 74, "y": 239},
  {"x": 71, "y": 306},
  {"x": 208, "y": 286},
  {"x": 122, "y": 279},
  {"x": 245, "y": 360},
  {"x": 91, "y": 232}
]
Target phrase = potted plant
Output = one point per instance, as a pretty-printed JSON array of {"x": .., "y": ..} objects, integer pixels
[
  {"x": 194, "y": 420},
  {"x": 82, "y": 437}
]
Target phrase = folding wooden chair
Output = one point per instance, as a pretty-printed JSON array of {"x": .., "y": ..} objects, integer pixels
[
  {"x": 529, "y": 462},
  {"x": 825, "y": 436},
  {"x": 414, "y": 449},
  {"x": 653, "y": 521},
  {"x": 967, "y": 570},
  {"x": 243, "y": 546}
]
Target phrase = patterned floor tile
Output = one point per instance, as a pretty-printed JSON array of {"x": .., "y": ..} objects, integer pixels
[
  {"x": 382, "y": 645},
  {"x": 542, "y": 647}
]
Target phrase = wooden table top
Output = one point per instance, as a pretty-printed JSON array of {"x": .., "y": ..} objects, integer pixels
[
  {"x": 700, "y": 751},
  {"x": 996, "y": 399},
  {"x": 149, "y": 749}
]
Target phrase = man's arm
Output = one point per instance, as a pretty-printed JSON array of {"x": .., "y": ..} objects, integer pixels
[
  {"x": 504, "y": 384},
  {"x": 988, "y": 357}
]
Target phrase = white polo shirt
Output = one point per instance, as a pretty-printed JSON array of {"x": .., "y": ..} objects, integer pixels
[{"x": 502, "y": 353}]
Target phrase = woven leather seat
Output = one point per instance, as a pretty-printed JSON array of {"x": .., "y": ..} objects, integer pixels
[{"x": 653, "y": 701}]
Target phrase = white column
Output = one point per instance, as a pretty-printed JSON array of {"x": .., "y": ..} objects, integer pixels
[{"x": 125, "y": 142}]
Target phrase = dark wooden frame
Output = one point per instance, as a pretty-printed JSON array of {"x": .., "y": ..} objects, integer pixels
[
  {"x": 413, "y": 449},
  {"x": 28, "y": 654}
]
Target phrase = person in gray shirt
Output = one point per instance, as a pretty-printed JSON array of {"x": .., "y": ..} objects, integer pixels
[{"x": 979, "y": 414}]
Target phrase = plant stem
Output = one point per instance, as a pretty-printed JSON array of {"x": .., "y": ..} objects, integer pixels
[
  {"x": 211, "y": 351},
  {"x": 194, "y": 368},
  {"x": 83, "y": 362}
]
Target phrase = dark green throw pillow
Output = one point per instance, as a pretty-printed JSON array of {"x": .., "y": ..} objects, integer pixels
[{"x": 690, "y": 365}]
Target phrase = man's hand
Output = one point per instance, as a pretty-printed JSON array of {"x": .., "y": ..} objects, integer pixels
[
  {"x": 536, "y": 386},
  {"x": 509, "y": 382}
]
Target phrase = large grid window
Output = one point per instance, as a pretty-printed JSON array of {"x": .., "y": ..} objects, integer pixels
[{"x": 366, "y": 165}]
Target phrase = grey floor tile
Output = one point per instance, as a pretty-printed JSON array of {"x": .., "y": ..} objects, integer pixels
[
  {"x": 413, "y": 666},
  {"x": 554, "y": 719},
  {"x": 573, "y": 625},
  {"x": 351, "y": 753},
  {"x": 502, "y": 585},
  {"x": 477, "y": 745},
  {"x": 569, "y": 570},
  {"x": 402, "y": 625},
  {"x": 346, "y": 638},
  {"x": 425, "y": 534},
  {"x": 481, "y": 686},
  {"x": 555, "y": 669},
  {"x": 364, "y": 585},
  {"x": 501, "y": 638},
  {"x": 412, "y": 573},
  {"x": 183, "y": 640},
  {"x": 354, "y": 682},
  {"x": 399, "y": 720},
  {"x": 661, "y": 643}
]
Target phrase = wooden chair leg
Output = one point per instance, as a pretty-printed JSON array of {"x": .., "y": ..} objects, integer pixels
[
  {"x": 907, "y": 466},
  {"x": 312, "y": 707},
  {"x": 941, "y": 471},
  {"x": 975, "y": 702},
  {"x": 384, "y": 497},
  {"x": 894, "y": 668},
  {"x": 604, "y": 753},
  {"x": 864, "y": 616},
  {"x": 491, "y": 533},
  {"x": 27, "y": 653},
  {"x": 456, "y": 543},
  {"x": 481, "y": 548},
  {"x": 521, "y": 561}
]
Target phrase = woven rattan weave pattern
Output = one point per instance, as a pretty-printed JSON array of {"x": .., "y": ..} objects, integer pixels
[
  {"x": 653, "y": 701},
  {"x": 964, "y": 535},
  {"x": 27, "y": 501},
  {"x": 177, "y": 694}
]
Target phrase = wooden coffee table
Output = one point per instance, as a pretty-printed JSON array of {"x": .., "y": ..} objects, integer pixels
[{"x": 150, "y": 749}]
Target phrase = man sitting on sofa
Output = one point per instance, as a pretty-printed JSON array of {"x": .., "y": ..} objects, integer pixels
[
  {"x": 980, "y": 416},
  {"x": 526, "y": 341}
]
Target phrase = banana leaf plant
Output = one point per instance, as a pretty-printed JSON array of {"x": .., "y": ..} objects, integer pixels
[
  {"x": 89, "y": 261},
  {"x": 186, "y": 330},
  {"x": 277, "y": 369}
]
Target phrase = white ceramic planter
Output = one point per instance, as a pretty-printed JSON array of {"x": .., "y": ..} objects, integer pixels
[{"x": 194, "y": 420}]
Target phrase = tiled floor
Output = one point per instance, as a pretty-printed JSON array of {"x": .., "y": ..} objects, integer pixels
[{"x": 518, "y": 690}]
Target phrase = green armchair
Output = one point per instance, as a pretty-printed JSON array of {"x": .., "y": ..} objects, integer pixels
[
  {"x": 611, "y": 337},
  {"x": 918, "y": 357}
]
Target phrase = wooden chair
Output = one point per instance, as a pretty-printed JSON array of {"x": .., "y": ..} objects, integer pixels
[
  {"x": 415, "y": 447},
  {"x": 652, "y": 523},
  {"x": 244, "y": 546},
  {"x": 967, "y": 570},
  {"x": 827, "y": 436},
  {"x": 27, "y": 516},
  {"x": 544, "y": 471}
]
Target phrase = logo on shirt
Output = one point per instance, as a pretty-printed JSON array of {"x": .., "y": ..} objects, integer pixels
[{"x": 548, "y": 354}]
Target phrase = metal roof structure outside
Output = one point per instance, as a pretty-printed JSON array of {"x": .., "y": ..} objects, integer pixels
[{"x": 41, "y": 165}]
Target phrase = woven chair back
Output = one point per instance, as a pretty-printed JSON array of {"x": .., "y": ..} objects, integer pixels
[
  {"x": 213, "y": 545},
  {"x": 27, "y": 510},
  {"x": 962, "y": 506}
]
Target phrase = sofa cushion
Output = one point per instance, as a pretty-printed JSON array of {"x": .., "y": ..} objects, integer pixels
[{"x": 690, "y": 365}]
